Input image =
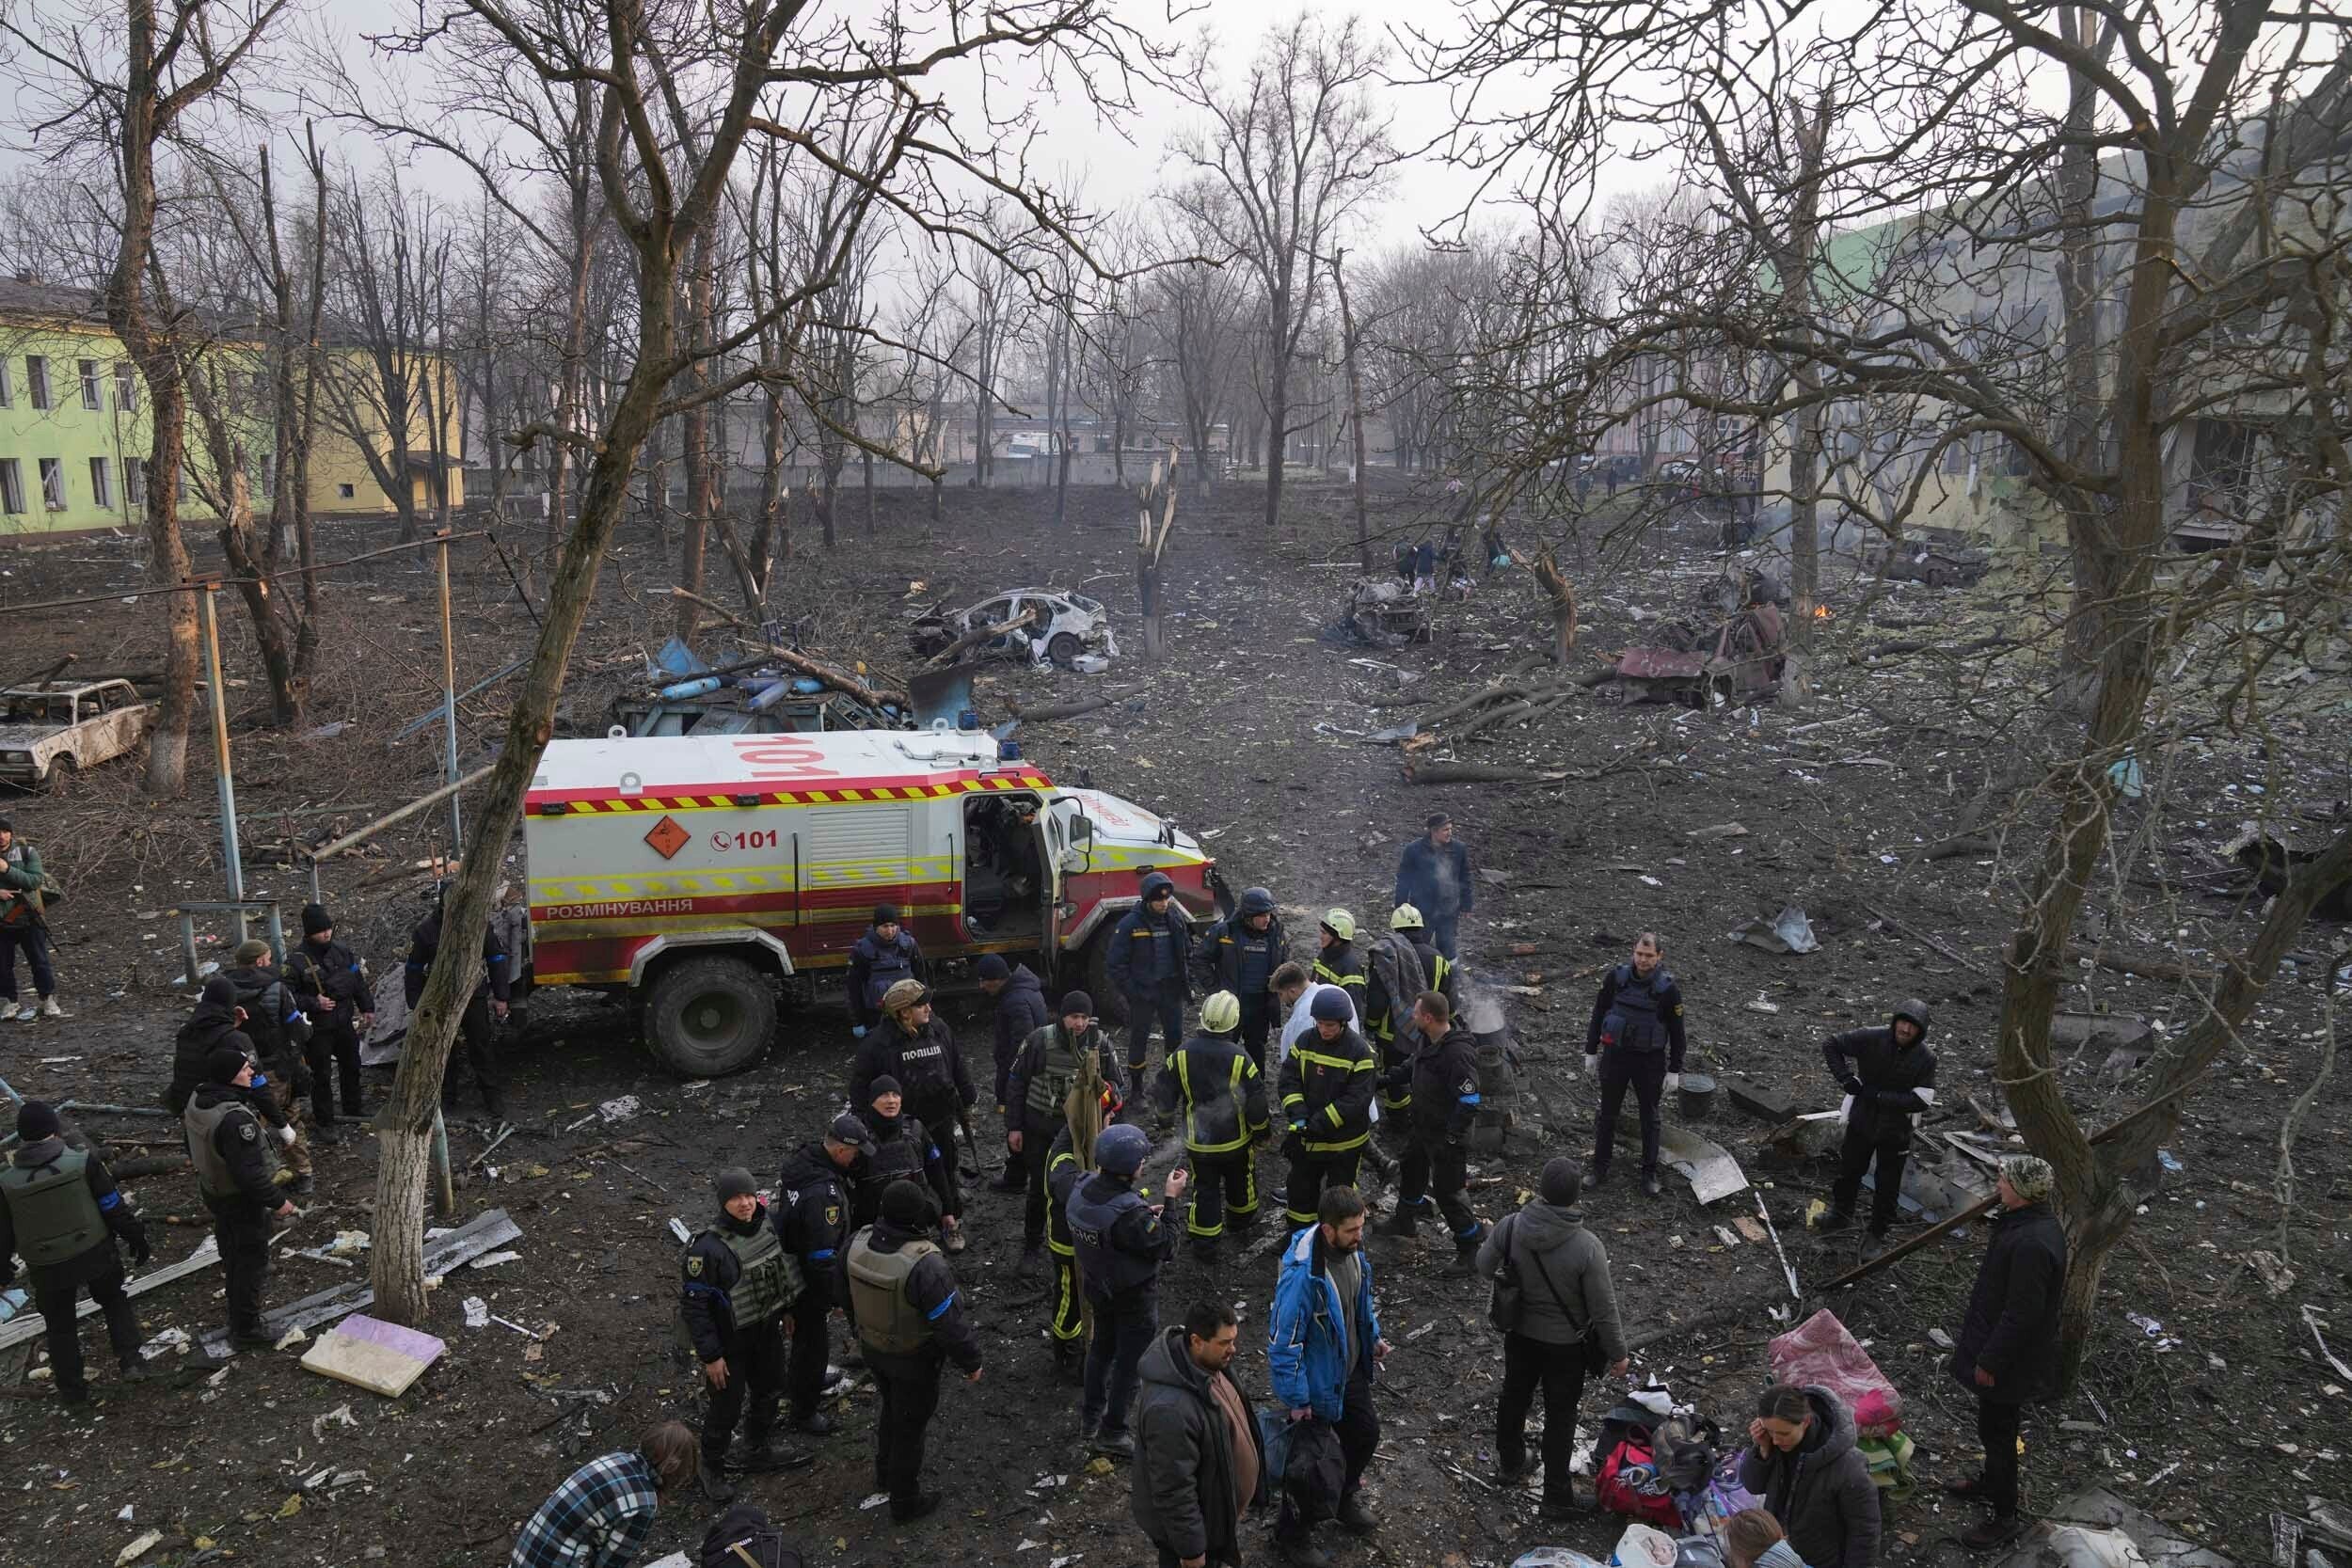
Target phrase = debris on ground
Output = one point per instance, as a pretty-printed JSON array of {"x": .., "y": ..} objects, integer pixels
[{"x": 1789, "y": 932}]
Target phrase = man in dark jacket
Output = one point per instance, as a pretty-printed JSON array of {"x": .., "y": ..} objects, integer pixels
[
  {"x": 1890, "y": 1074},
  {"x": 231, "y": 1156},
  {"x": 911, "y": 1322},
  {"x": 2008, "y": 1349},
  {"x": 1199, "y": 1460},
  {"x": 216, "y": 1021},
  {"x": 280, "y": 1034},
  {"x": 1216, "y": 1086},
  {"x": 1150, "y": 952},
  {"x": 1393, "y": 976},
  {"x": 1325, "y": 1089},
  {"x": 915, "y": 1045},
  {"x": 60, "y": 1213},
  {"x": 1801, "y": 1461},
  {"x": 1434, "y": 876},
  {"x": 737, "y": 1284},
  {"x": 332, "y": 990},
  {"x": 813, "y": 1212},
  {"x": 1240, "y": 954},
  {"x": 903, "y": 1150},
  {"x": 491, "y": 992},
  {"x": 25, "y": 892},
  {"x": 1568, "y": 1299},
  {"x": 1050, "y": 1059},
  {"x": 1018, "y": 1002},
  {"x": 1636, "y": 1034},
  {"x": 884, "y": 955},
  {"x": 1443, "y": 1076},
  {"x": 1121, "y": 1242}
]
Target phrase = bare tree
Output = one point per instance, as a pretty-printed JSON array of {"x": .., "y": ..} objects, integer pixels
[
  {"x": 1286, "y": 156},
  {"x": 133, "y": 92}
]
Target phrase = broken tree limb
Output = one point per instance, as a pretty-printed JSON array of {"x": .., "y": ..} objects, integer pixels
[
  {"x": 1443, "y": 772},
  {"x": 363, "y": 835},
  {"x": 955, "y": 650},
  {"x": 1953, "y": 849},
  {"x": 1052, "y": 711},
  {"x": 1924, "y": 939},
  {"x": 1563, "y": 595}
]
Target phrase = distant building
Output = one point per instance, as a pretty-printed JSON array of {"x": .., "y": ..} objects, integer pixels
[{"x": 74, "y": 431}]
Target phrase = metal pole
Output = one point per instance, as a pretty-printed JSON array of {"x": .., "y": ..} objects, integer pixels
[
  {"x": 449, "y": 700},
  {"x": 220, "y": 752}
]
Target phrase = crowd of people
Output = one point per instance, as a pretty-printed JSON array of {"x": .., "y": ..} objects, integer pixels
[{"x": 1327, "y": 1057}]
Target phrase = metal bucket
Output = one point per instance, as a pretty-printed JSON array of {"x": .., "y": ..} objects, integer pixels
[{"x": 1697, "y": 1095}]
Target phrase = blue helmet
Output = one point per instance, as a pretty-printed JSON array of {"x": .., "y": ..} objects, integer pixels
[
  {"x": 1254, "y": 901},
  {"x": 1120, "y": 1149},
  {"x": 1330, "y": 1006}
]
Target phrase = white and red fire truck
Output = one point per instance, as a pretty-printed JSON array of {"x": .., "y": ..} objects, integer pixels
[{"x": 705, "y": 876}]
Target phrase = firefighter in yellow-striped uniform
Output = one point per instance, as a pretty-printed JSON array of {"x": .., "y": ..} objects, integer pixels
[
  {"x": 1213, "y": 1077},
  {"x": 1064, "y": 1170},
  {"x": 1325, "y": 1090}
]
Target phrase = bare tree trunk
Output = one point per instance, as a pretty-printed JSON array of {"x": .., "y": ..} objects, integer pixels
[
  {"x": 1355, "y": 411},
  {"x": 868, "y": 458},
  {"x": 306, "y": 637},
  {"x": 701, "y": 499}
]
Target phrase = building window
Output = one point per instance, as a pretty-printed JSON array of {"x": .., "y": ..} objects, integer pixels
[
  {"x": 135, "y": 481},
  {"x": 52, "y": 483},
  {"x": 8, "y": 392},
  {"x": 11, "y": 486},
  {"x": 346, "y": 491},
  {"x": 102, "y": 485},
  {"x": 36, "y": 379},
  {"x": 90, "y": 398},
  {"x": 127, "y": 386}
]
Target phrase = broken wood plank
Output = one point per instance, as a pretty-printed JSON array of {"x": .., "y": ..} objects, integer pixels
[{"x": 28, "y": 1324}]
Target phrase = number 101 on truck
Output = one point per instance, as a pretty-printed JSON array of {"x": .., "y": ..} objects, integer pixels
[{"x": 711, "y": 878}]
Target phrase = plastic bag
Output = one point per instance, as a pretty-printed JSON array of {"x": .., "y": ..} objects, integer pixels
[
  {"x": 1641, "y": 1546},
  {"x": 1820, "y": 1352}
]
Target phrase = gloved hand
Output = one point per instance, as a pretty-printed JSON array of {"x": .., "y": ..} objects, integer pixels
[
  {"x": 1674, "y": 1082},
  {"x": 286, "y": 1135},
  {"x": 1589, "y": 1062},
  {"x": 1854, "y": 1086},
  {"x": 857, "y": 1031},
  {"x": 143, "y": 1255}
]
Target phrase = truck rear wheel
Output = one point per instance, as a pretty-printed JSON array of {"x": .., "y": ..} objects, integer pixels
[{"x": 710, "y": 1016}]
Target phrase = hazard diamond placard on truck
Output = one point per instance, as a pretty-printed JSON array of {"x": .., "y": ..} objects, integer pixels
[{"x": 703, "y": 873}]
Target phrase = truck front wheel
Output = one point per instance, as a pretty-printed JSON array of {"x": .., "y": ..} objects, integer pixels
[{"x": 710, "y": 1016}]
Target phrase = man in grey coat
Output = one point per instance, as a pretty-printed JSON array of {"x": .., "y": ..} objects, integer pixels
[
  {"x": 1198, "y": 1458},
  {"x": 1563, "y": 1280}
]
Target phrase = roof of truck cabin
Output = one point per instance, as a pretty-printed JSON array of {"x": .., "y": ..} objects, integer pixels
[{"x": 845, "y": 760}]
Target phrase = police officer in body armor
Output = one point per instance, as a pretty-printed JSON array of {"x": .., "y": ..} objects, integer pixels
[
  {"x": 60, "y": 1213},
  {"x": 914, "y": 1045},
  {"x": 1891, "y": 1074},
  {"x": 279, "y": 1033},
  {"x": 1636, "y": 1030},
  {"x": 738, "y": 1283},
  {"x": 903, "y": 1150},
  {"x": 333, "y": 992},
  {"x": 1122, "y": 1244},
  {"x": 1239, "y": 954},
  {"x": 911, "y": 1322},
  {"x": 1445, "y": 1100},
  {"x": 233, "y": 1159},
  {"x": 488, "y": 1002},
  {"x": 884, "y": 955},
  {"x": 1017, "y": 1010},
  {"x": 813, "y": 1212},
  {"x": 1216, "y": 1084},
  {"x": 1038, "y": 1084}
]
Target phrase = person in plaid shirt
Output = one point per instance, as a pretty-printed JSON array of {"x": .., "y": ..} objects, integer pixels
[{"x": 602, "y": 1515}]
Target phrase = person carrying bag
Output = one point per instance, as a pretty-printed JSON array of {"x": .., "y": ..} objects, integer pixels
[{"x": 1557, "y": 1312}]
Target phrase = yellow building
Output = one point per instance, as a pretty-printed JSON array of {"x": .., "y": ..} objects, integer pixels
[{"x": 74, "y": 431}]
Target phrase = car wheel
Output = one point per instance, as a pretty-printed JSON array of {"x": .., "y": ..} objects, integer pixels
[
  {"x": 62, "y": 772},
  {"x": 1064, "y": 649},
  {"x": 710, "y": 1016}
]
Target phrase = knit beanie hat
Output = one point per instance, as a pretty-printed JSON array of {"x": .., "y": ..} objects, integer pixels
[
  {"x": 733, "y": 1181},
  {"x": 908, "y": 1207},
  {"x": 1077, "y": 1004},
  {"x": 882, "y": 1085},
  {"x": 35, "y": 1121},
  {"x": 223, "y": 1063},
  {"x": 2030, "y": 1176},
  {"x": 1562, "y": 1182},
  {"x": 993, "y": 967},
  {"x": 251, "y": 952},
  {"x": 315, "y": 919}
]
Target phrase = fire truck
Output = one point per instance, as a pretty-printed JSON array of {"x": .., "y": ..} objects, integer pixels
[{"x": 711, "y": 878}]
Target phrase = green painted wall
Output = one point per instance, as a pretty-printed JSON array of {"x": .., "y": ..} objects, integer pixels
[{"x": 93, "y": 448}]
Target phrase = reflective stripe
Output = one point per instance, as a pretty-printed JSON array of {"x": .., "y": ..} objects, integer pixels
[{"x": 1337, "y": 1063}]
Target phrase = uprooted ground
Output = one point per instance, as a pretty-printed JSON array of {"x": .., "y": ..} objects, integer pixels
[{"x": 1250, "y": 734}]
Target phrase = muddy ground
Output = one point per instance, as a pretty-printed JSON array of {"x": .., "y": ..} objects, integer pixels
[{"x": 1249, "y": 733}]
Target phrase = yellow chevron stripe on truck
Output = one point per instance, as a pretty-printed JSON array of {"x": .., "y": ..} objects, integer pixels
[{"x": 623, "y": 804}]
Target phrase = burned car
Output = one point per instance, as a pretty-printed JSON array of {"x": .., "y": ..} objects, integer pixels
[
  {"x": 49, "y": 733},
  {"x": 1043, "y": 625}
]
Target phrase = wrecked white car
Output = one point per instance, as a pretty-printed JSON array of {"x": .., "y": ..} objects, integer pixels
[
  {"x": 1054, "y": 628},
  {"x": 49, "y": 733}
]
